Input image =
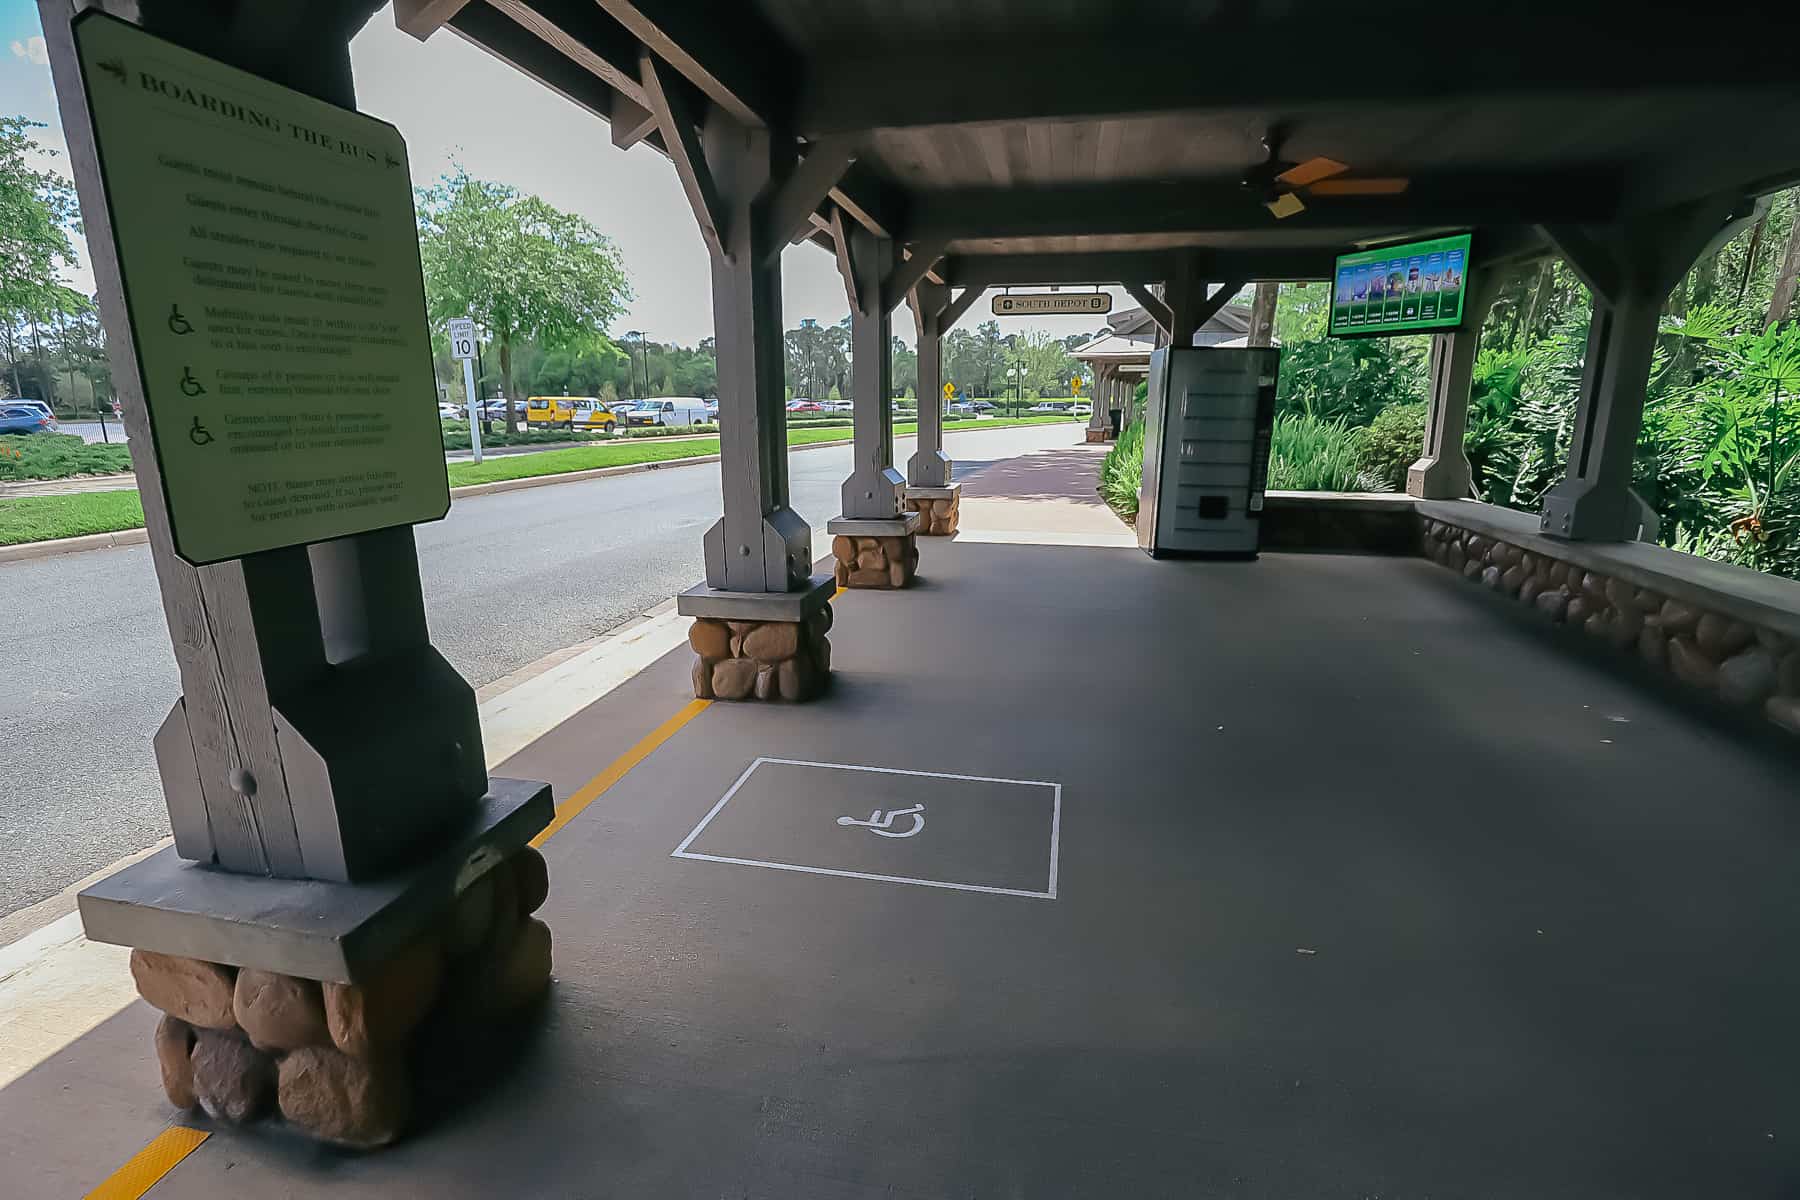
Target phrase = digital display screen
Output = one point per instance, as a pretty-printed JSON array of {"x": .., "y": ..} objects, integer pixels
[{"x": 1400, "y": 289}]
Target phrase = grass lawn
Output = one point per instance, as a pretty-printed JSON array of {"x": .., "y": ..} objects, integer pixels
[
  {"x": 41, "y": 518},
  {"x": 619, "y": 454}
]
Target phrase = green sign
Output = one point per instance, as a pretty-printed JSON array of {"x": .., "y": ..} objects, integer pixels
[
  {"x": 270, "y": 262},
  {"x": 1401, "y": 289}
]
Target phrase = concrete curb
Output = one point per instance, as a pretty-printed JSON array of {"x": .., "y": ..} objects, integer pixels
[
  {"x": 135, "y": 537},
  {"x": 73, "y": 545}
]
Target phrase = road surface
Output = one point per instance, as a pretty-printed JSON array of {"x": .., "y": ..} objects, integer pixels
[{"x": 89, "y": 673}]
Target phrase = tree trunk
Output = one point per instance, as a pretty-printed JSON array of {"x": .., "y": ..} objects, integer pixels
[
  {"x": 1781, "y": 301},
  {"x": 1262, "y": 315},
  {"x": 1545, "y": 277},
  {"x": 1706, "y": 280},
  {"x": 1756, "y": 236},
  {"x": 512, "y": 402}
]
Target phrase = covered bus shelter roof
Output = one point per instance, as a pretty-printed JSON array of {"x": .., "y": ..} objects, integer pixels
[
  {"x": 1300, "y": 877},
  {"x": 1033, "y": 143}
]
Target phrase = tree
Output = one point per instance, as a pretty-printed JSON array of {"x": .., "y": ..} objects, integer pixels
[
  {"x": 37, "y": 211},
  {"x": 522, "y": 268},
  {"x": 1781, "y": 300},
  {"x": 1262, "y": 315}
]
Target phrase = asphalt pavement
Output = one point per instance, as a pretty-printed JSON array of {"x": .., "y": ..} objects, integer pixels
[{"x": 88, "y": 673}]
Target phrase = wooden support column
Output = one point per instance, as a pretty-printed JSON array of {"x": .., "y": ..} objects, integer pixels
[
  {"x": 759, "y": 544},
  {"x": 874, "y": 489},
  {"x": 929, "y": 466},
  {"x": 1629, "y": 268},
  {"x": 266, "y": 767},
  {"x": 1097, "y": 419},
  {"x": 1442, "y": 473}
]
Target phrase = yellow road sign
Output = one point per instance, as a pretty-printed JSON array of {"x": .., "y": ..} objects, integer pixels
[
  {"x": 949, "y": 391},
  {"x": 1075, "y": 385}
]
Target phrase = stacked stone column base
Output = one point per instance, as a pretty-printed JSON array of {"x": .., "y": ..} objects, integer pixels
[
  {"x": 339, "y": 1060},
  {"x": 1098, "y": 435},
  {"x": 938, "y": 509},
  {"x": 875, "y": 562},
  {"x": 761, "y": 660}
]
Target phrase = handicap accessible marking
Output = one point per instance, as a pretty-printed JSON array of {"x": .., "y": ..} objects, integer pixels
[
  {"x": 908, "y": 821},
  {"x": 883, "y": 826}
]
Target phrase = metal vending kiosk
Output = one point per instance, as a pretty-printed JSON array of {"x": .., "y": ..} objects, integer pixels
[{"x": 1206, "y": 450}]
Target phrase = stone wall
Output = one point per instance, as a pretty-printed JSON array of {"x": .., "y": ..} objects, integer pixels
[
  {"x": 875, "y": 562},
  {"x": 761, "y": 660},
  {"x": 937, "y": 514},
  {"x": 337, "y": 1059},
  {"x": 1753, "y": 668}
]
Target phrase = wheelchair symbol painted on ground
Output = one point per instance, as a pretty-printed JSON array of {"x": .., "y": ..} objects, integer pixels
[{"x": 883, "y": 825}]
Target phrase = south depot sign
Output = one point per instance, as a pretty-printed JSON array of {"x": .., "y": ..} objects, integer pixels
[{"x": 1047, "y": 304}]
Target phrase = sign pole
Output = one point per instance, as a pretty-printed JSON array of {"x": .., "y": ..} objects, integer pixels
[
  {"x": 462, "y": 345},
  {"x": 469, "y": 390}
]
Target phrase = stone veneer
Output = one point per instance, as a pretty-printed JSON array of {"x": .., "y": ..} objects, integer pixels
[
  {"x": 1742, "y": 664},
  {"x": 761, "y": 660},
  {"x": 937, "y": 514},
  {"x": 876, "y": 562},
  {"x": 338, "y": 1060}
]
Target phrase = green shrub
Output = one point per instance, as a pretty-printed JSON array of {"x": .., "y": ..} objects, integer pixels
[
  {"x": 1393, "y": 444},
  {"x": 1311, "y": 455},
  {"x": 58, "y": 456},
  {"x": 1122, "y": 471}
]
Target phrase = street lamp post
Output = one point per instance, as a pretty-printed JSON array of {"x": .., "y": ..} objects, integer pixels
[{"x": 637, "y": 335}]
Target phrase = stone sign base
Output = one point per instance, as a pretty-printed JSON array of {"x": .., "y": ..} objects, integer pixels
[
  {"x": 761, "y": 660},
  {"x": 1098, "y": 435},
  {"x": 338, "y": 1060},
  {"x": 938, "y": 508}
]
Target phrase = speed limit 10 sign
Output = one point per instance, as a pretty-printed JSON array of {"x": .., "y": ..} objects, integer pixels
[{"x": 462, "y": 338}]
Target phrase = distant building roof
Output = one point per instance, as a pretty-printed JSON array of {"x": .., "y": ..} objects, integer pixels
[{"x": 1132, "y": 335}]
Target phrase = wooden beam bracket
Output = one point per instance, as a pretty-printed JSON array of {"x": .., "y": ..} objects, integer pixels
[
  {"x": 678, "y": 119},
  {"x": 794, "y": 208}
]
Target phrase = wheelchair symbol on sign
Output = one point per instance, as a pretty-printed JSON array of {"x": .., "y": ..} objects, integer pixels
[{"x": 883, "y": 825}]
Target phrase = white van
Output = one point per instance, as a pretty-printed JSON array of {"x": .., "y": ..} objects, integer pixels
[{"x": 668, "y": 410}]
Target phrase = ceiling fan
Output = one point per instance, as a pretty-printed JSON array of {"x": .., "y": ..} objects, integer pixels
[{"x": 1280, "y": 182}]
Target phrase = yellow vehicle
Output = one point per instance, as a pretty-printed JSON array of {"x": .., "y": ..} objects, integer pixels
[{"x": 574, "y": 412}]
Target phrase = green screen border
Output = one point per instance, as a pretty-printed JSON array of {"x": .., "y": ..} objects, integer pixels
[{"x": 1338, "y": 327}]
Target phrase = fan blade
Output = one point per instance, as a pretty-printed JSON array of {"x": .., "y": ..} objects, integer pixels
[
  {"x": 1311, "y": 171},
  {"x": 1360, "y": 187},
  {"x": 1284, "y": 205}
]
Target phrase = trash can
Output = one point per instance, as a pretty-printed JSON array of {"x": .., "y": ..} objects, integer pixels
[{"x": 1117, "y": 416}]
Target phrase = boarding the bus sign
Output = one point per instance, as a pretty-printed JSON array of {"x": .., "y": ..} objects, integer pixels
[
  {"x": 1045, "y": 304},
  {"x": 270, "y": 261}
]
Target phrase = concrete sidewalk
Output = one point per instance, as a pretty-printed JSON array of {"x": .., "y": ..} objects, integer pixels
[{"x": 1315, "y": 876}]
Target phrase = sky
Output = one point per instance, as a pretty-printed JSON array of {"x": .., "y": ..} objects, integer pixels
[{"x": 455, "y": 103}]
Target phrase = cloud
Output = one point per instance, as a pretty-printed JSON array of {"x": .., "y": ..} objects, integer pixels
[{"x": 34, "y": 49}]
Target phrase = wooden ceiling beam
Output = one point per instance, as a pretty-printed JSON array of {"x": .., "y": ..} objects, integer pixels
[
  {"x": 727, "y": 51},
  {"x": 1224, "y": 206},
  {"x": 978, "y": 81}
]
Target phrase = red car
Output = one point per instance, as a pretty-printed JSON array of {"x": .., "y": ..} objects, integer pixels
[{"x": 803, "y": 406}]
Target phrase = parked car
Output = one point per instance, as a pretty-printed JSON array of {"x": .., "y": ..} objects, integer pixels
[
  {"x": 576, "y": 412},
  {"x": 449, "y": 412},
  {"x": 806, "y": 406},
  {"x": 982, "y": 406},
  {"x": 838, "y": 406},
  {"x": 678, "y": 410},
  {"x": 961, "y": 410},
  {"x": 25, "y": 416},
  {"x": 1049, "y": 408}
]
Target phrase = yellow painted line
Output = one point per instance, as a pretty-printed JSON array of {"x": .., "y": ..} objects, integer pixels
[
  {"x": 149, "y": 1165},
  {"x": 592, "y": 790}
]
